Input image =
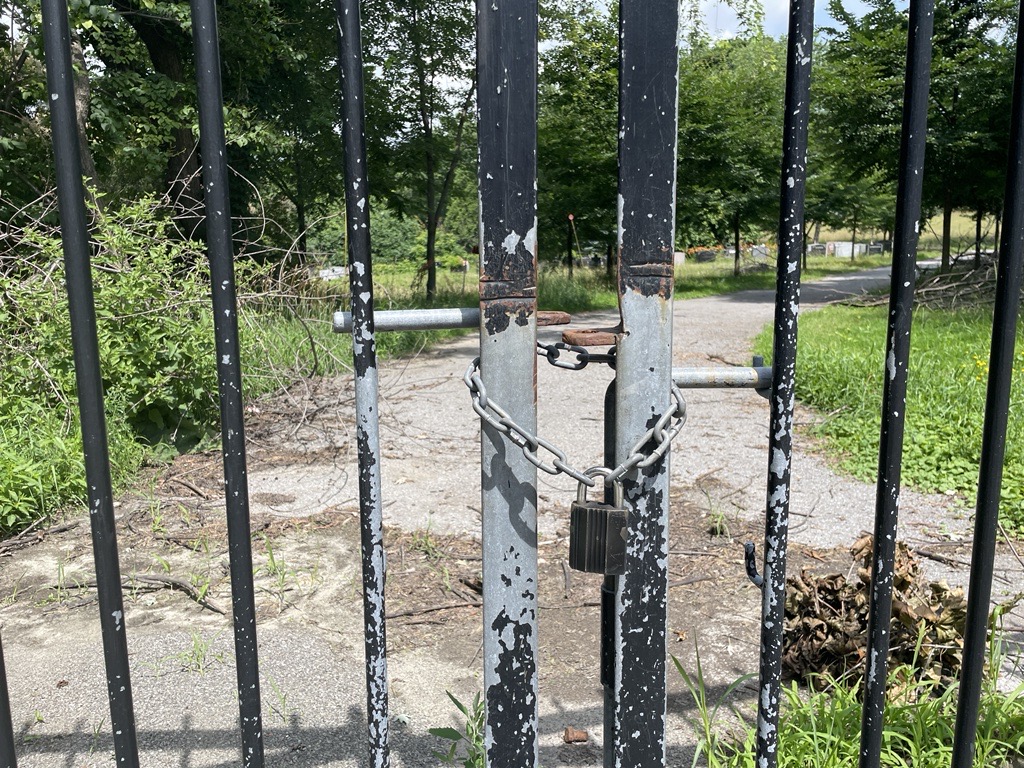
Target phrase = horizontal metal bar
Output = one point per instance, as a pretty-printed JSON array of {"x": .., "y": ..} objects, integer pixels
[
  {"x": 415, "y": 319},
  {"x": 759, "y": 377},
  {"x": 440, "y": 319}
]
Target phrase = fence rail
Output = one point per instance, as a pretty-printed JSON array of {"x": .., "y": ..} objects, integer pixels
[{"x": 634, "y": 604}]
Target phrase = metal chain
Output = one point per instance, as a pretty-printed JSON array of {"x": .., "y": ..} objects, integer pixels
[
  {"x": 584, "y": 356},
  {"x": 664, "y": 431}
]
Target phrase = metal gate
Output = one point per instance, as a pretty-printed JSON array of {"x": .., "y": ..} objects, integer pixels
[{"x": 645, "y": 408}]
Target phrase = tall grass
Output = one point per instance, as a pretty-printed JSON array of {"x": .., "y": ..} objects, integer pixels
[
  {"x": 820, "y": 727},
  {"x": 840, "y": 370}
]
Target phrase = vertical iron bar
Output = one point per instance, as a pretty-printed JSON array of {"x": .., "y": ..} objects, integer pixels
[
  {"x": 78, "y": 274},
  {"x": 609, "y": 589},
  {"x": 897, "y": 359},
  {"x": 507, "y": 175},
  {"x": 364, "y": 350},
  {"x": 229, "y": 373},
  {"x": 648, "y": 107},
  {"x": 993, "y": 441},
  {"x": 7, "y": 757},
  {"x": 783, "y": 395}
]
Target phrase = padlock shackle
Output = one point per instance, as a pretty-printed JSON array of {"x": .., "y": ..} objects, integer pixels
[{"x": 595, "y": 472}]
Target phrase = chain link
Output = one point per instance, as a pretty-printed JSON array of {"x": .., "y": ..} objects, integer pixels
[
  {"x": 657, "y": 439},
  {"x": 584, "y": 356}
]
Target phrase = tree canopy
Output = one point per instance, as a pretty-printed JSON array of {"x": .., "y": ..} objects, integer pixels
[{"x": 136, "y": 96}]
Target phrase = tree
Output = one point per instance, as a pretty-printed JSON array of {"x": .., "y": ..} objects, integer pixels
[
  {"x": 578, "y": 104},
  {"x": 860, "y": 76},
  {"x": 420, "y": 89},
  {"x": 730, "y": 134}
]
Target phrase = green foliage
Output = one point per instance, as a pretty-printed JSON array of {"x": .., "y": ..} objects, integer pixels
[
  {"x": 395, "y": 239},
  {"x": 467, "y": 745},
  {"x": 157, "y": 354},
  {"x": 840, "y": 370},
  {"x": 578, "y": 107},
  {"x": 155, "y": 346},
  {"x": 447, "y": 250},
  {"x": 821, "y": 727}
]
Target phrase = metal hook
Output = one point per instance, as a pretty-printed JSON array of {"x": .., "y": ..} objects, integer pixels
[{"x": 750, "y": 558}]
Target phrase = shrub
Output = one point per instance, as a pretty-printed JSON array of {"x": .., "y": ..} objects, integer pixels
[{"x": 156, "y": 346}]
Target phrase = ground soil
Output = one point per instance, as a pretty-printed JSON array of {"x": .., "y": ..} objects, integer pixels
[{"x": 306, "y": 550}]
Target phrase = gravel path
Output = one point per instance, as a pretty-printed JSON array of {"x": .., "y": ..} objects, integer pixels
[{"x": 430, "y": 438}]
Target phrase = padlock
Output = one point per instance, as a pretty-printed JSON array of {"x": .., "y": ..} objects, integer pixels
[{"x": 598, "y": 531}]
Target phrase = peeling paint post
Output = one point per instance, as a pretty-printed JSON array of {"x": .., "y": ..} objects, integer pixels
[
  {"x": 993, "y": 440},
  {"x": 364, "y": 349},
  {"x": 78, "y": 275},
  {"x": 648, "y": 105},
  {"x": 507, "y": 179},
  {"x": 780, "y": 438},
  {"x": 609, "y": 590},
  {"x": 7, "y": 758},
  {"x": 897, "y": 358},
  {"x": 229, "y": 373}
]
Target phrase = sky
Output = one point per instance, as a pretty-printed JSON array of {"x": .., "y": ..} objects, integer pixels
[{"x": 721, "y": 19}]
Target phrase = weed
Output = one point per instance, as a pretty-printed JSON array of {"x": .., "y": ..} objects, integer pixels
[
  {"x": 199, "y": 656},
  {"x": 283, "y": 577},
  {"x": 710, "y": 743},
  {"x": 822, "y": 727},
  {"x": 425, "y": 543},
  {"x": 467, "y": 745},
  {"x": 96, "y": 733},
  {"x": 280, "y": 704}
]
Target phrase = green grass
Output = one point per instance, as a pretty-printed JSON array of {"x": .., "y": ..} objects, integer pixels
[
  {"x": 840, "y": 371},
  {"x": 714, "y": 278},
  {"x": 821, "y": 727}
]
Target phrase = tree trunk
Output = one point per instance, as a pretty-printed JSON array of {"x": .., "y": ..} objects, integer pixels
[
  {"x": 853, "y": 240},
  {"x": 568, "y": 245},
  {"x": 431, "y": 257},
  {"x": 300, "y": 212},
  {"x": 995, "y": 247},
  {"x": 947, "y": 226},
  {"x": 804, "y": 243},
  {"x": 608, "y": 265},
  {"x": 165, "y": 42},
  {"x": 977, "y": 239},
  {"x": 736, "y": 242},
  {"x": 83, "y": 92},
  {"x": 817, "y": 231}
]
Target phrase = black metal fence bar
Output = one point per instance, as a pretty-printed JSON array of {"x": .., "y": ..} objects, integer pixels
[
  {"x": 364, "y": 348},
  {"x": 229, "y": 373},
  {"x": 780, "y": 439},
  {"x": 78, "y": 273},
  {"x": 993, "y": 441},
  {"x": 507, "y": 173},
  {"x": 897, "y": 358},
  {"x": 7, "y": 757},
  {"x": 648, "y": 107}
]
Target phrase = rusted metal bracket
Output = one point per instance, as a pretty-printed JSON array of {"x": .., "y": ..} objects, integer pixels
[{"x": 592, "y": 337}]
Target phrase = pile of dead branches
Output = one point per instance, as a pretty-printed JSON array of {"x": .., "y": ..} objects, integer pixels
[
  {"x": 949, "y": 290},
  {"x": 827, "y": 621}
]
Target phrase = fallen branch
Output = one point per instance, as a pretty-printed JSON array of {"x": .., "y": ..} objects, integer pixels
[{"x": 434, "y": 609}]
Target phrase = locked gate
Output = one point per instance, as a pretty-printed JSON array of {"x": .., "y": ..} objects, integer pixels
[{"x": 626, "y": 538}]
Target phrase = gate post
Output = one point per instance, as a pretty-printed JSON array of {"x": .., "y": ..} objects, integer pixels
[
  {"x": 507, "y": 174},
  {"x": 648, "y": 105}
]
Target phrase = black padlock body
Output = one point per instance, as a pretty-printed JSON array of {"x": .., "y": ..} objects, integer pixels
[{"x": 597, "y": 538}]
